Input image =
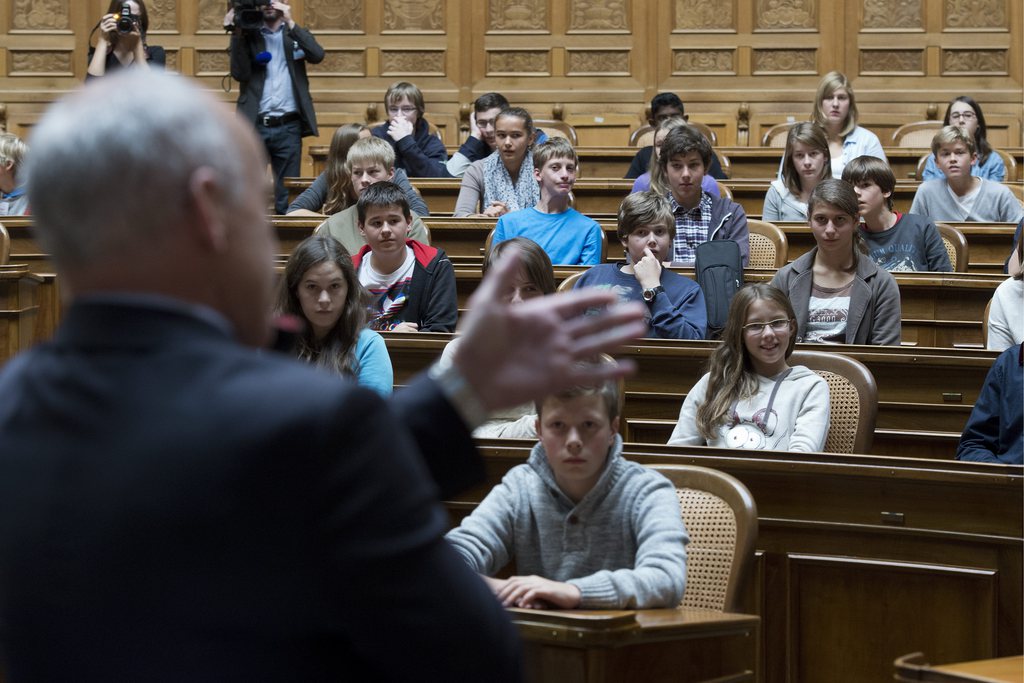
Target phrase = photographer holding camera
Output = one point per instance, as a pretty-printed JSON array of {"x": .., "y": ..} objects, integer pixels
[
  {"x": 269, "y": 52},
  {"x": 122, "y": 40}
]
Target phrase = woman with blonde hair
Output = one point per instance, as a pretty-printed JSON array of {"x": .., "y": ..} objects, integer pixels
[
  {"x": 751, "y": 398},
  {"x": 835, "y": 110},
  {"x": 806, "y": 163}
]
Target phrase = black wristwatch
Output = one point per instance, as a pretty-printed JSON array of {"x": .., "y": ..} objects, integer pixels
[{"x": 649, "y": 294}]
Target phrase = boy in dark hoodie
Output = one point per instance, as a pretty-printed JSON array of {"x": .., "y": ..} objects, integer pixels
[
  {"x": 411, "y": 284},
  {"x": 417, "y": 152}
]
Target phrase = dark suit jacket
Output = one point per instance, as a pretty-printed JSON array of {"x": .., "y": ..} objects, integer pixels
[
  {"x": 174, "y": 506},
  {"x": 251, "y": 75}
]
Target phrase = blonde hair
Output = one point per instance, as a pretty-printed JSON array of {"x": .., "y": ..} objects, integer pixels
[
  {"x": 370, "y": 150},
  {"x": 831, "y": 82},
  {"x": 553, "y": 148},
  {"x": 948, "y": 135}
]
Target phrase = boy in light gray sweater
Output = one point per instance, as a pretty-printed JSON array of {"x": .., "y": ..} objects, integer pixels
[
  {"x": 585, "y": 527},
  {"x": 960, "y": 196}
]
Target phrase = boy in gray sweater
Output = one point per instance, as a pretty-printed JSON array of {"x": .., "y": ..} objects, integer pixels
[
  {"x": 960, "y": 196},
  {"x": 585, "y": 527}
]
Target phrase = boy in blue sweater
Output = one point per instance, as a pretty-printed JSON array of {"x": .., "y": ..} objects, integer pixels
[
  {"x": 676, "y": 306},
  {"x": 586, "y": 528},
  {"x": 567, "y": 236}
]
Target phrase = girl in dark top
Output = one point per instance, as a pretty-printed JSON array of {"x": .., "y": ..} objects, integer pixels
[{"x": 115, "y": 49}]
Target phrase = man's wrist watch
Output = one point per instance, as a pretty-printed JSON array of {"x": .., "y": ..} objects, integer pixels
[{"x": 649, "y": 294}]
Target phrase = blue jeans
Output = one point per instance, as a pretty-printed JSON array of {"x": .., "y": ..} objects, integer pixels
[{"x": 284, "y": 147}]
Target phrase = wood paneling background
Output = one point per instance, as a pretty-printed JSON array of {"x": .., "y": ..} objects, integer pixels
[{"x": 741, "y": 66}]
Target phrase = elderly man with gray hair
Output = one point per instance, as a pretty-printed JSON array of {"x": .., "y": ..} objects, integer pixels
[{"x": 177, "y": 504}]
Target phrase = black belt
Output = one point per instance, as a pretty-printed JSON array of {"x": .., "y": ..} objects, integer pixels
[{"x": 275, "y": 121}]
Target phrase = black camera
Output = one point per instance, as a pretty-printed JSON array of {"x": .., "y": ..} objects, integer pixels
[
  {"x": 249, "y": 14},
  {"x": 126, "y": 21}
]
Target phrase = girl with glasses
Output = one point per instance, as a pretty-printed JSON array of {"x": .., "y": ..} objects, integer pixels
[
  {"x": 840, "y": 296},
  {"x": 965, "y": 113},
  {"x": 751, "y": 398}
]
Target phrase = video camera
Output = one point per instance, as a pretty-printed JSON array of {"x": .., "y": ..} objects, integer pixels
[
  {"x": 126, "y": 21},
  {"x": 249, "y": 14}
]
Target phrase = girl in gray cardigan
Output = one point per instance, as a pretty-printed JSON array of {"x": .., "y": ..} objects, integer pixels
[{"x": 839, "y": 295}]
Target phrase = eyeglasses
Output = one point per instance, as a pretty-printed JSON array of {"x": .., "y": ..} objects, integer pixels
[
  {"x": 962, "y": 116},
  {"x": 756, "y": 329},
  {"x": 403, "y": 110}
]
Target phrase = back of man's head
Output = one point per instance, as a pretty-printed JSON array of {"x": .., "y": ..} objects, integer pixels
[
  {"x": 12, "y": 151},
  {"x": 112, "y": 164}
]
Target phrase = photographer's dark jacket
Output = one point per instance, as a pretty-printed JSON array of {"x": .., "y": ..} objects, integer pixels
[{"x": 251, "y": 75}]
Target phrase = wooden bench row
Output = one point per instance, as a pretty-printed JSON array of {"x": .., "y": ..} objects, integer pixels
[
  {"x": 756, "y": 163},
  {"x": 860, "y": 558},
  {"x": 939, "y": 310},
  {"x": 924, "y": 395},
  {"x": 603, "y": 195}
]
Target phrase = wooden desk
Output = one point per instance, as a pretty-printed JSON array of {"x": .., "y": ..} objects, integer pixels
[
  {"x": 576, "y": 646},
  {"x": 19, "y": 309},
  {"x": 924, "y": 395},
  {"x": 1004, "y": 669},
  {"x": 861, "y": 559},
  {"x": 938, "y": 309},
  {"x": 745, "y": 162}
]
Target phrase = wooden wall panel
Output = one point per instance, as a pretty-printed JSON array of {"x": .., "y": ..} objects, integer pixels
[{"x": 740, "y": 65}]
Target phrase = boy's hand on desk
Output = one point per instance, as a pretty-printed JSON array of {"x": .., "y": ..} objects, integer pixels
[{"x": 535, "y": 592}]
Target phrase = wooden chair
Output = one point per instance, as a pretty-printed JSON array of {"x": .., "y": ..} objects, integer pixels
[
  {"x": 725, "y": 163},
  {"x": 776, "y": 135},
  {"x": 568, "y": 283},
  {"x": 724, "y": 190},
  {"x": 916, "y": 134},
  {"x": 1010, "y": 163},
  {"x": 853, "y": 399},
  {"x": 604, "y": 251},
  {"x": 642, "y": 137},
  {"x": 984, "y": 323},
  {"x": 956, "y": 247},
  {"x": 5, "y": 246},
  {"x": 769, "y": 247},
  {"x": 721, "y": 518},
  {"x": 557, "y": 129}
]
